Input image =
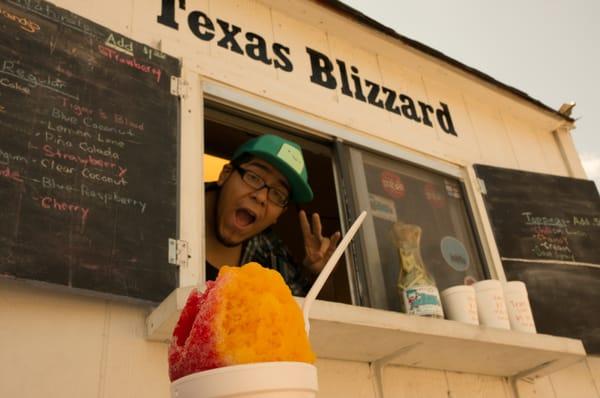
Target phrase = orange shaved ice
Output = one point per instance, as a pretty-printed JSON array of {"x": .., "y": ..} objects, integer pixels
[{"x": 247, "y": 315}]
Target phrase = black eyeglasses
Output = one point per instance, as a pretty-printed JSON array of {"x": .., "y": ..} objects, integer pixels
[{"x": 275, "y": 195}]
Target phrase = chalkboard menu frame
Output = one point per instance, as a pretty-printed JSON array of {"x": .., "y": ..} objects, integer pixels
[
  {"x": 547, "y": 230},
  {"x": 542, "y": 217},
  {"x": 88, "y": 154}
]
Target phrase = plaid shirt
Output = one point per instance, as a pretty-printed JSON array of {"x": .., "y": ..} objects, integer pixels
[{"x": 269, "y": 251}]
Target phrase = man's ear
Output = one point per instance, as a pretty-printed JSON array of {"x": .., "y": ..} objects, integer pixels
[{"x": 225, "y": 173}]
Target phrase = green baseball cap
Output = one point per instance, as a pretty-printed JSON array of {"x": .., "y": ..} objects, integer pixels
[{"x": 286, "y": 157}]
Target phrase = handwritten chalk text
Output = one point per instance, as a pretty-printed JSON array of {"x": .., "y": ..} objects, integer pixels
[
  {"x": 25, "y": 23},
  {"x": 49, "y": 202},
  {"x": 530, "y": 219},
  {"x": 114, "y": 55},
  {"x": 77, "y": 109},
  {"x": 13, "y": 175},
  {"x": 105, "y": 197},
  {"x": 90, "y": 122},
  {"x": 52, "y": 152},
  {"x": 6, "y": 82},
  {"x": 120, "y": 44},
  {"x": 7, "y": 157},
  {"x": 14, "y": 69},
  {"x": 93, "y": 149},
  {"x": 75, "y": 132},
  {"x": 55, "y": 166},
  {"x": 99, "y": 177}
]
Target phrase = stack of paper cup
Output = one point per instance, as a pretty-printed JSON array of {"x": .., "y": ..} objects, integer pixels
[
  {"x": 491, "y": 306},
  {"x": 256, "y": 380},
  {"x": 460, "y": 304},
  {"x": 519, "y": 309}
]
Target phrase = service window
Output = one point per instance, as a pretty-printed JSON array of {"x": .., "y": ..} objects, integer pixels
[
  {"x": 398, "y": 192},
  {"x": 225, "y": 129}
]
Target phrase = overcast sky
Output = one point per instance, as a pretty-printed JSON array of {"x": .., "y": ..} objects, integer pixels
[{"x": 549, "y": 49}]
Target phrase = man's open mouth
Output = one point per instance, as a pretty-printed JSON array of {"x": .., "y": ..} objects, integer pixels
[{"x": 244, "y": 217}]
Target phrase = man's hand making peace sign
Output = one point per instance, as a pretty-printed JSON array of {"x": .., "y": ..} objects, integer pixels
[{"x": 317, "y": 248}]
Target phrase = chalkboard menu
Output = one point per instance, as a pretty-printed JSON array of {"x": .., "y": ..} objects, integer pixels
[
  {"x": 542, "y": 217},
  {"x": 547, "y": 229},
  {"x": 88, "y": 154}
]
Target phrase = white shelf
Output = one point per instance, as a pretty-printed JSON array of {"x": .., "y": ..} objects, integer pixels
[{"x": 345, "y": 332}]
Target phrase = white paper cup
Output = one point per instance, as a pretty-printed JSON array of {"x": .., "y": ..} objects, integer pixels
[
  {"x": 256, "y": 380},
  {"x": 460, "y": 304},
  {"x": 491, "y": 307},
  {"x": 519, "y": 309}
]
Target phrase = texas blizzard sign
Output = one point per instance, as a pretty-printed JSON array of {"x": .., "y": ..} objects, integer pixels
[{"x": 330, "y": 74}]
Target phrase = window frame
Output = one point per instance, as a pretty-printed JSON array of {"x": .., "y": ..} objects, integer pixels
[
  {"x": 355, "y": 165},
  {"x": 343, "y": 136}
]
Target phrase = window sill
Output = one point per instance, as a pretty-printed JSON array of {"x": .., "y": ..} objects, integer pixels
[{"x": 345, "y": 332}]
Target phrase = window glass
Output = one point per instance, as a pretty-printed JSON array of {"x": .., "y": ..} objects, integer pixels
[{"x": 397, "y": 192}]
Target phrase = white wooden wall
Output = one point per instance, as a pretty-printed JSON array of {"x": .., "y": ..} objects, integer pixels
[{"x": 58, "y": 344}]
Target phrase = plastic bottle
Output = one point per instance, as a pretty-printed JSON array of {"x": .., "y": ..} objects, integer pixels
[{"x": 416, "y": 285}]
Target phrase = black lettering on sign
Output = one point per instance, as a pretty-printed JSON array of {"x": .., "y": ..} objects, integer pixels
[
  {"x": 167, "y": 16},
  {"x": 444, "y": 119},
  {"x": 345, "y": 88},
  {"x": 390, "y": 99},
  {"x": 88, "y": 153},
  {"x": 358, "y": 91},
  {"x": 408, "y": 108},
  {"x": 374, "y": 89},
  {"x": 425, "y": 108},
  {"x": 322, "y": 70},
  {"x": 282, "y": 53},
  {"x": 201, "y": 25},
  {"x": 257, "y": 48},
  {"x": 229, "y": 36},
  {"x": 324, "y": 73},
  {"x": 228, "y": 40}
]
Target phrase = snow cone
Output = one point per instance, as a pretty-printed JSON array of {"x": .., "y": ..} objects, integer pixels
[{"x": 243, "y": 337}]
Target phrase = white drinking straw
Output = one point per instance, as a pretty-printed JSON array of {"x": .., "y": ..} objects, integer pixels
[{"x": 328, "y": 268}]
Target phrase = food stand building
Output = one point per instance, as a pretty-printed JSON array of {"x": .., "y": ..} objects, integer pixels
[{"x": 115, "y": 113}]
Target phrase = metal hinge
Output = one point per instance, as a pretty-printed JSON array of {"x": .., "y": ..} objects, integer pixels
[
  {"x": 179, "y": 87},
  {"x": 178, "y": 252},
  {"x": 482, "y": 187}
]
